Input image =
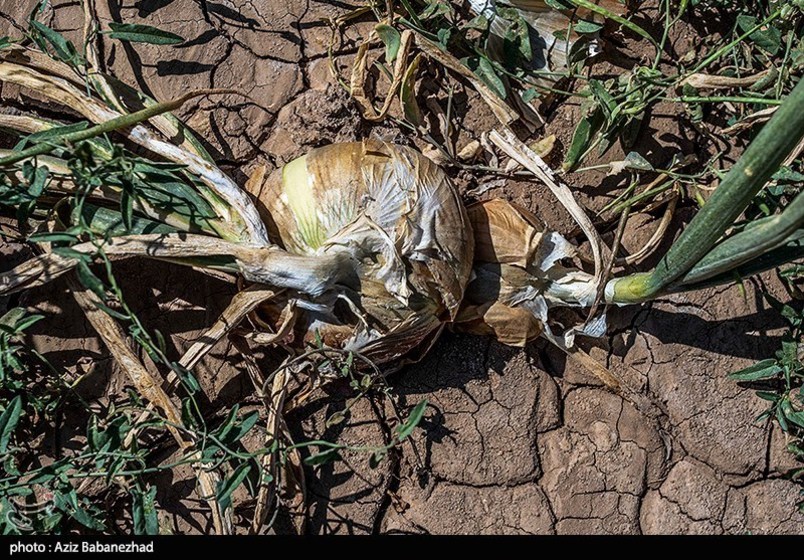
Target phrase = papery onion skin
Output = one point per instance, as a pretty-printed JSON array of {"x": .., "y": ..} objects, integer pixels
[
  {"x": 401, "y": 223},
  {"x": 506, "y": 241},
  {"x": 518, "y": 275}
]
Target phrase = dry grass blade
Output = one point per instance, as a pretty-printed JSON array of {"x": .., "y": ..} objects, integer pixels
[
  {"x": 35, "y": 272},
  {"x": 59, "y": 174},
  {"x": 124, "y": 98},
  {"x": 360, "y": 71},
  {"x": 241, "y": 305},
  {"x": 291, "y": 476},
  {"x": 90, "y": 33},
  {"x": 49, "y": 266},
  {"x": 115, "y": 340},
  {"x": 530, "y": 160},
  {"x": 709, "y": 81},
  {"x": 656, "y": 239},
  {"x": 116, "y": 124},
  {"x": 275, "y": 402},
  {"x": 43, "y": 62},
  {"x": 751, "y": 120},
  {"x": 23, "y": 123},
  {"x": 291, "y": 315},
  {"x": 649, "y": 407},
  {"x": 585, "y": 360},
  {"x": 794, "y": 154},
  {"x": 293, "y": 491},
  {"x": 504, "y": 113}
]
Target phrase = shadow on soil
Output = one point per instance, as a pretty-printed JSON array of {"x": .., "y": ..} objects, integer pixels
[{"x": 455, "y": 361}]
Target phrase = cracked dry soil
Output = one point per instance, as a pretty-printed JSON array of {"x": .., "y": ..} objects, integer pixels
[{"x": 515, "y": 441}]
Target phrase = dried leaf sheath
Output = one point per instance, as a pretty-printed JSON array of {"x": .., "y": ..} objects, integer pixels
[
  {"x": 267, "y": 265},
  {"x": 518, "y": 276}
]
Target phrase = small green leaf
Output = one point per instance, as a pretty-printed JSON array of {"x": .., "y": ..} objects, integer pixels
[
  {"x": 187, "y": 378},
  {"x": 788, "y": 175},
  {"x": 211, "y": 453},
  {"x": 636, "y": 161},
  {"x": 11, "y": 318},
  {"x": 89, "y": 280},
  {"x": 188, "y": 413},
  {"x": 27, "y": 321},
  {"x": 585, "y": 131},
  {"x": 794, "y": 416},
  {"x": 376, "y": 458},
  {"x": 794, "y": 272},
  {"x": 436, "y": 8},
  {"x": 768, "y": 38},
  {"x": 529, "y": 95},
  {"x": 127, "y": 197},
  {"x": 413, "y": 420},
  {"x": 765, "y": 369},
  {"x": 782, "y": 420},
  {"x": 139, "y": 33},
  {"x": 8, "y": 422},
  {"x": 144, "y": 514},
  {"x": 16, "y": 320},
  {"x": 51, "y": 134},
  {"x": 241, "y": 428},
  {"x": 479, "y": 22},
  {"x": 323, "y": 457},
  {"x": 95, "y": 437},
  {"x": 229, "y": 423},
  {"x": 160, "y": 341},
  {"x": 228, "y": 486},
  {"x": 391, "y": 38},
  {"x": 63, "y": 48},
  {"x": 587, "y": 27},
  {"x": 53, "y": 237},
  {"x": 68, "y": 503},
  {"x": 594, "y": 7},
  {"x": 604, "y": 98},
  {"x": 335, "y": 419},
  {"x": 630, "y": 131},
  {"x": 444, "y": 34},
  {"x": 37, "y": 177},
  {"x": 516, "y": 41},
  {"x": 484, "y": 69}
]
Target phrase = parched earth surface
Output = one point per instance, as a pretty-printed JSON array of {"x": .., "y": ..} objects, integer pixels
[{"x": 514, "y": 441}]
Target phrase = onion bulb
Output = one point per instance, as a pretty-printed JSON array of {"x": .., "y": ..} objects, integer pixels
[{"x": 394, "y": 223}]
